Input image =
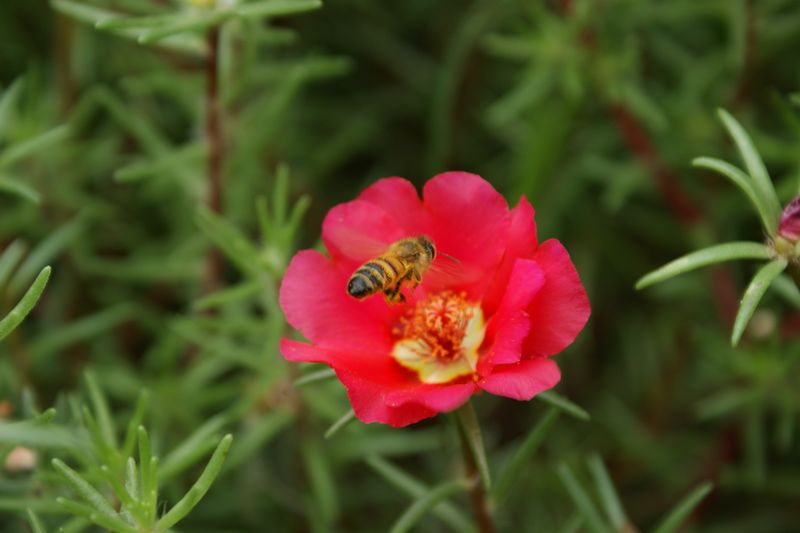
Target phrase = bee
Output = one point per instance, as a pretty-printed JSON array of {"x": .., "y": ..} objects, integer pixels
[{"x": 405, "y": 261}]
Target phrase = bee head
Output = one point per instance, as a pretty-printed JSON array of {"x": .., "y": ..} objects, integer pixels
[{"x": 427, "y": 245}]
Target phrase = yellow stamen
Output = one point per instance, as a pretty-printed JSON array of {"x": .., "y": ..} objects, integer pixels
[{"x": 440, "y": 338}]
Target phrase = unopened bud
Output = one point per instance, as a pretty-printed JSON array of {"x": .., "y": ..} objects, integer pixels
[
  {"x": 20, "y": 459},
  {"x": 789, "y": 226}
]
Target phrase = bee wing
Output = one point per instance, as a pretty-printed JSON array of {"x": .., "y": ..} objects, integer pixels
[
  {"x": 357, "y": 245},
  {"x": 446, "y": 268}
]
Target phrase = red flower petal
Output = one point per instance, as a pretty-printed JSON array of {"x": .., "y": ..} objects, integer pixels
[
  {"x": 561, "y": 308},
  {"x": 363, "y": 362},
  {"x": 526, "y": 279},
  {"x": 469, "y": 220},
  {"x": 399, "y": 199},
  {"x": 507, "y": 345},
  {"x": 357, "y": 231},
  {"x": 510, "y": 325},
  {"x": 379, "y": 390},
  {"x": 314, "y": 299},
  {"x": 440, "y": 398},
  {"x": 368, "y": 403},
  {"x": 523, "y": 380},
  {"x": 521, "y": 244}
]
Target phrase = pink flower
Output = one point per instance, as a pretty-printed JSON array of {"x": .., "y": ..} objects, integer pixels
[{"x": 489, "y": 322}]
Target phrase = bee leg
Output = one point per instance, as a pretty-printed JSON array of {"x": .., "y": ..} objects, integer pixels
[
  {"x": 393, "y": 294},
  {"x": 414, "y": 279}
]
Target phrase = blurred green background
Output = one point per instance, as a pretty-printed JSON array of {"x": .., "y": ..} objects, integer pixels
[{"x": 592, "y": 109}]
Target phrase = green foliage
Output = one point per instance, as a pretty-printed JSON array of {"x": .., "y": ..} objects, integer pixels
[
  {"x": 759, "y": 189},
  {"x": 593, "y": 110}
]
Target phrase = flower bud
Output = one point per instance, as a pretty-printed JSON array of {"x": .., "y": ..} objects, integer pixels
[
  {"x": 20, "y": 459},
  {"x": 789, "y": 226}
]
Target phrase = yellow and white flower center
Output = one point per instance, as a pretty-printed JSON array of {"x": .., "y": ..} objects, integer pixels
[{"x": 439, "y": 339}]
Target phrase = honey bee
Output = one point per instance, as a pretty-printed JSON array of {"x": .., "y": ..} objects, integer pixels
[{"x": 404, "y": 261}]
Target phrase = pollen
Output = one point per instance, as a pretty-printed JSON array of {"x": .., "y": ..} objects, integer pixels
[{"x": 440, "y": 337}]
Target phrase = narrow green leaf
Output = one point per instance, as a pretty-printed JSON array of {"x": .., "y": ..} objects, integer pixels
[
  {"x": 31, "y": 146},
  {"x": 255, "y": 438},
  {"x": 582, "y": 501},
  {"x": 36, "y": 524},
  {"x": 556, "y": 400},
  {"x": 100, "y": 18},
  {"x": 170, "y": 163},
  {"x": 275, "y": 8},
  {"x": 315, "y": 377},
  {"x": 233, "y": 294},
  {"x": 22, "y": 504},
  {"x": 727, "y": 401},
  {"x": 199, "y": 489},
  {"x": 229, "y": 240},
  {"x": 146, "y": 134},
  {"x": 111, "y": 523},
  {"x": 148, "y": 482},
  {"x": 121, "y": 492},
  {"x": 18, "y": 188},
  {"x": 787, "y": 289},
  {"x": 756, "y": 289},
  {"x": 83, "y": 328},
  {"x": 78, "y": 524},
  {"x": 471, "y": 433},
  {"x": 424, "y": 504},
  {"x": 85, "y": 489},
  {"x": 8, "y": 102},
  {"x": 707, "y": 256},
  {"x": 516, "y": 465},
  {"x": 414, "y": 488},
  {"x": 675, "y": 518},
  {"x": 150, "y": 498},
  {"x": 45, "y": 252},
  {"x": 99, "y": 443},
  {"x": 131, "y": 480},
  {"x": 323, "y": 485},
  {"x": 83, "y": 12},
  {"x": 146, "y": 21},
  {"x": 762, "y": 185},
  {"x": 136, "y": 420},
  {"x": 280, "y": 193},
  {"x": 296, "y": 216},
  {"x": 104, "y": 420},
  {"x": 9, "y": 259},
  {"x": 196, "y": 445},
  {"x": 183, "y": 23},
  {"x": 608, "y": 494},
  {"x": 265, "y": 223},
  {"x": 340, "y": 423},
  {"x": 10, "y": 322},
  {"x": 32, "y": 434},
  {"x": 741, "y": 180}
]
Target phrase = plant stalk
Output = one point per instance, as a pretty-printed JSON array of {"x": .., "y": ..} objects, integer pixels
[{"x": 478, "y": 497}]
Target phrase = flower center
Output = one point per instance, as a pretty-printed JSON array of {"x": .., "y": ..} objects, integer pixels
[{"x": 440, "y": 337}]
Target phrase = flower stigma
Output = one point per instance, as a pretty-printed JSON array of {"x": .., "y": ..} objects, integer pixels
[{"x": 440, "y": 337}]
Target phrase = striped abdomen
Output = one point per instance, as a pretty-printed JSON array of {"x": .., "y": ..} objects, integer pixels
[{"x": 376, "y": 275}]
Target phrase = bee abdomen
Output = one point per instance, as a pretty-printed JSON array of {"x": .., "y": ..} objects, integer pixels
[{"x": 372, "y": 277}]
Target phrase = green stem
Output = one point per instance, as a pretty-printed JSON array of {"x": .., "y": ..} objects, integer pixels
[{"x": 475, "y": 465}]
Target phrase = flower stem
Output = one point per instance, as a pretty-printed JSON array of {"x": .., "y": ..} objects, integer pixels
[
  {"x": 469, "y": 434},
  {"x": 214, "y": 140}
]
